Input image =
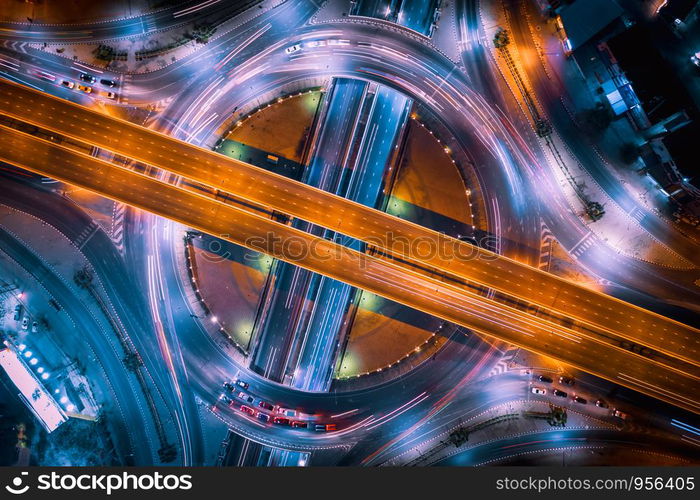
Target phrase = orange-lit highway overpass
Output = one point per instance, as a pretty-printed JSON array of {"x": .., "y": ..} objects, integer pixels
[
  {"x": 587, "y": 308},
  {"x": 597, "y": 340},
  {"x": 675, "y": 384}
]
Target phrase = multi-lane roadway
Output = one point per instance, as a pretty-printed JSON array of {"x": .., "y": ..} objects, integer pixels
[
  {"x": 403, "y": 240},
  {"x": 670, "y": 383}
]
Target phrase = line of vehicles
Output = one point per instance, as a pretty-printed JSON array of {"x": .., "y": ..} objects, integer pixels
[
  {"x": 266, "y": 412},
  {"x": 85, "y": 84},
  {"x": 569, "y": 381}
]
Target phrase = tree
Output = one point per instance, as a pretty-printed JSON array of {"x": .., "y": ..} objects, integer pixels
[
  {"x": 132, "y": 361},
  {"x": 501, "y": 39},
  {"x": 594, "y": 121},
  {"x": 83, "y": 277},
  {"x": 105, "y": 53},
  {"x": 167, "y": 453},
  {"x": 202, "y": 33},
  {"x": 595, "y": 210},
  {"x": 459, "y": 436},
  {"x": 557, "y": 416}
]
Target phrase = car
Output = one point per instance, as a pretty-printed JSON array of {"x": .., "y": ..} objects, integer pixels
[
  {"x": 267, "y": 406},
  {"x": 580, "y": 400},
  {"x": 263, "y": 417},
  {"x": 45, "y": 76},
  {"x": 292, "y": 49},
  {"x": 245, "y": 397},
  {"x": 229, "y": 386},
  {"x": 695, "y": 58},
  {"x": 35, "y": 327},
  {"x": 316, "y": 43},
  {"x": 287, "y": 412},
  {"x": 87, "y": 78},
  {"x": 18, "y": 312},
  {"x": 545, "y": 379},
  {"x": 247, "y": 409},
  {"x": 108, "y": 83},
  {"x": 601, "y": 404},
  {"x": 225, "y": 399},
  {"x": 85, "y": 88},
  {"x": 559, "y": 393},
  {"x": 566, "y": 380},
  {"x": 537, "y": 390},
  {"x": 243, "y": 385},
  {"x": 299, "y": 425},
  {"x": 325, "y": 427},
  {"x": 619, "y": 414},
  {"x": 111, "y": 95},
  {"x": 280, "y": 421},
  {"x": 25, "y": 323},
  {"x": 68, "y": 84}
]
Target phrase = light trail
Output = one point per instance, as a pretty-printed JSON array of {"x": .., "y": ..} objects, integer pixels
[
  {"x": 400, "y": 410},
  {"x": 194, "y": 8},
  {"x": 242, "y": 46}
]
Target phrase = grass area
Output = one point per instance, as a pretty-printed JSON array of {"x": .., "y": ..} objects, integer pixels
[
  {"x": 231, "y": 290},
  {"x": 380, "y": 338},
  {"x": 282, "y": 128},
  {"x": 428, "y": 179}
]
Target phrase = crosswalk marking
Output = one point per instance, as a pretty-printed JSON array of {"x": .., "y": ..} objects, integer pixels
[
  {"x": 637, "y": 214},
  {"x": 117, "y": 235},
  {"x": 86, "y": 234},
  {"x": 584, "y": 244}
]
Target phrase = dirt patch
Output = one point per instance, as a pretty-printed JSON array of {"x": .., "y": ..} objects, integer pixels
[{"x": 282, "y": 128}]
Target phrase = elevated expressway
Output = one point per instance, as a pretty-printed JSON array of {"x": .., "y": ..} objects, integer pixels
[
  {"x": 597, "y": 330},
  {"x": 482, "y": 268}
]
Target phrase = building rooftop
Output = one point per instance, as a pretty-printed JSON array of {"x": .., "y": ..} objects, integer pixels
[
  {"x": 31, "y": 391},
  {"x": 584, "y": 18}
]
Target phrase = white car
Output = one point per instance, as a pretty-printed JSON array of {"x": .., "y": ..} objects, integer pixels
[
  {"x": 292, "y": 49},
  {"x": 25, "y": 323},
  {"x": 245, "y": 397},
  {"x": 287, "y": 412},
  {"x": 537, "y": 390},
  {"x": 316, "y": 43},
  {"x": 619, "y": 414}
]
